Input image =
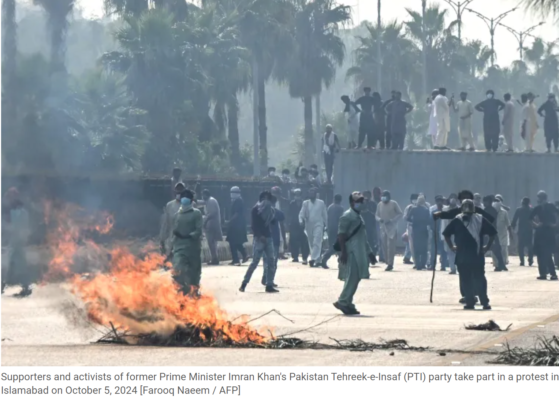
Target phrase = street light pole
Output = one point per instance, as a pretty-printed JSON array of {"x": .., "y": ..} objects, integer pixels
[
  {"x": 521, "y": 36},
  {"x": 379, "y": 51},
  {"x": 458, "y": 7},
  {"x": 492, "y": 25},
  {"x": 424, "y": 39}
]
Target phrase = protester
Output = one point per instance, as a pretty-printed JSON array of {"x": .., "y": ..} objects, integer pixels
[
  {"x": 366, "y": 120},
  {"x": 335, "y": 211},
  {"x": 453, "y": 204},
  {"x": 237, "y": 228},
  {"x": 508, "y": 122},
  {"x": 356, "y": 254},
  {"x": 262, "y": 215},
  {"x": 187, "y": 245},
  {"x": 420, "y": 220},
  {"x": 430, "y": 108},
  {"x": 531, "y": 122},
  {"x": 369, "y": 216},
  {"x": 398, "y": 109},
  {"x": 212, "y": 225},
  {"x": 17, "y": 228},
  {"x": 491, "y": 124},
  {"x": 352, "y": 114},
  {"x": 278, "y": 233},
  {"x": 298, "y": 243},
  {"x": 285, "y": 177},
  {"x": 330, "y": 146},
  {"x": 388, "y": 138},
  {"x": 272, "y": 175},
  {"x": 522, "y": 217},
  {"x": 166, "y": 231},
  {"x": 380, "y": 122},
  {"x": 388, "y": 214},
  {"x": 478, "y": 201},
  {"x": 377, "y": 195},
  {"x": 545, "y": 216},
  {"x": 465, "y": 110},
  {"x": 442, "y": 113},
  {"x": 548, "y": 111},
  {"x": 438, "y": 243},
  {"x": 502, "y": 224},
  {"x": 408, "y": 252},
  {"x": 469, "y": 230},
  {"x": 496, "y": 250},
  {"x": 313, "y": 216}
]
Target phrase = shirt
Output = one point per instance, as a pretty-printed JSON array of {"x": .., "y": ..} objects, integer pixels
[
  {"x": 259, "y": 227},
  {"x": 389, "y": 213},
  {"x": 490, "y": 108},
  {"x": 546, "y": 213},
  {"x": 366, "y": 103},
  {"x": 464, "y": 108},
  {"x": 508, "y": 115},
  {"x": 335, "y": 212},
  {"x": 467, "y": 253},
  {"x": 522, "y": 217}
]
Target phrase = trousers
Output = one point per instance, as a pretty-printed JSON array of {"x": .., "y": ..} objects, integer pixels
[
  {"x": 236, "y": 249},
  {"x": 465, "y": 131},
  {"x": 188, "y": 269},
  {"x": 472, "y": 283},
  {"x": 389, "y": 247},
  {"x": 525, "y": 242},
  {"x": 451, "y": 256},
  {"x": 420, "y": 243},
  {"x": 329, "y": 165},
  {"x": 266, "y": 251},
  {"x": 442, "y": 253},
  {"x": 351, "y": 284},
  {"x": 315, "y": 234},
  {"x": 298, "y": 243}
]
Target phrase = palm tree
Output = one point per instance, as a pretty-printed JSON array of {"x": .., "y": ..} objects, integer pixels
[
  {"x": 545, "y": 61},
  {"x": 318, "y": 51},
  {"x": 9, "y": 65},
  {"x": 544, "y": 7},
  {"x": 126, "y": 7},
  {"x": 478, "y": 57},
  {"x": 58, "y": 12}
]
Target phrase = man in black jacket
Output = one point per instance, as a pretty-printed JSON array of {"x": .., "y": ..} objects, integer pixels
[{"x": 525, "y": 231}]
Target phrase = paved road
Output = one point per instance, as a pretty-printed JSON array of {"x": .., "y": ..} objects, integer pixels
[{"x": 49, "y": 327}]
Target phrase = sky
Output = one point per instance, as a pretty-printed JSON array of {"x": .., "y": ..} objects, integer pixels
[{"x": 506, "y": 45}]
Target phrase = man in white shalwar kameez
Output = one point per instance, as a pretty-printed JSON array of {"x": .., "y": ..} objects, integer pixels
[
  {"x": 502, "y": 223},
  {"x": 314, "y": 217},
  {"x": 442, "y": 113},
  {"x": 171, "y": 209},
  {"x": 430, "y": 108}
]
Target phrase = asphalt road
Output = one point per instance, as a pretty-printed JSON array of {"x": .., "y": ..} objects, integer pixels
[{"x": 50, "y": 328}]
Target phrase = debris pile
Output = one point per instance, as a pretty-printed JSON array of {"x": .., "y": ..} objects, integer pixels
[
  {"x": 544, "y": 353},
  {"x": 488, "y": 326}
]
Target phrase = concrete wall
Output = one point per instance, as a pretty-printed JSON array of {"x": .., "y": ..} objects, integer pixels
[{"x": 443, "y": 172}]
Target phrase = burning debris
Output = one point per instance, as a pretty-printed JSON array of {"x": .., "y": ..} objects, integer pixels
[
  {"x": 544, "y": 353},
  {"x": 488, "y": 326}
]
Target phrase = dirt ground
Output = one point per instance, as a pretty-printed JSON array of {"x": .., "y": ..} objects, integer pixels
[{"x": 50, "y": 327}]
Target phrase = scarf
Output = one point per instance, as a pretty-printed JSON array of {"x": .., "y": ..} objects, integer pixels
[
  {"x": 266, "y": 211},
  {"x": 473, "y": 225},
  {"x": 329, "y": 142}
]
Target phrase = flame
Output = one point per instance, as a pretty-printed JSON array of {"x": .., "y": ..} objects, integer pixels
[{"x": 133, "y": 293}]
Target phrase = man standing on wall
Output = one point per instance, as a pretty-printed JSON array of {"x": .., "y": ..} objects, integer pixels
[
  {"x": 548, "y": 111},
  {"x": 442, "y": 113},
  {"x": 352, "y": 114},
  {"x": 490, "y": 108},
  {"x": 388, "y": 214},
  {"x": 465, "y": 110},
  {"x": 531, "y": 122},
  {"x": 314, "y": 217},
  {"x": 366, "y": 120},
  {"x": 508, "y": 122},
  {"x": 398, "y": 110},
  {"x": 212, "y": 225}
]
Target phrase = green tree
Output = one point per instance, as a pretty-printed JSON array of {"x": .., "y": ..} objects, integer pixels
[{"x": 9, "y": 66}]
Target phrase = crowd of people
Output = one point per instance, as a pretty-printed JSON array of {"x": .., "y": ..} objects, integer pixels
[
  {"x": 460, "y": 229},
  {"x": 374, "y": 123}
]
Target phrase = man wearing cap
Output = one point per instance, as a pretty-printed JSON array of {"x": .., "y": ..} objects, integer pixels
[
  {"x": 388, "y": 214},
  {"x": 545, "y": 216},
  {"x": 166, "y": 232},
  {"x": 298, "y": 243},
  {"x": 187, "y": 244},
  {"x": 314, "y": 217},
  {"x": 355, "y": 253}
]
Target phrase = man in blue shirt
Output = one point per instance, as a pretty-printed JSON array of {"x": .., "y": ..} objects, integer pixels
[{"x": 278, "y": 231}]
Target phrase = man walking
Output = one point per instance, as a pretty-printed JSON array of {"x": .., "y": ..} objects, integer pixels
[
  {"x": 545, "y": 216},
  {"x": 262, "y": 215},
  {"x": 496, "y": 250},
  {"x": 355, "y": 253},
  {"x": 212, "y": 225},
  {"x": 548, "y": 111},
  {"x": 408, "y": 252},
  {"x": 508, "y": 122},
  {"x": 442, "y": 113},
  {"x": 502, "y": 224},
  {"x": 522, "y": 217},
  {"x": 490, "y": 108},
  {"x": 388, "y": 214},
  {"x": 465, "y": 110},
  {"x": 335, "y": 211},
  {"x": 187, "y": 245},
  {"x": 298, "y": 243},
  {"x": 437, "y": 238},
  {"x": 469, "y": 230},
  {"x": 278, "y": 233},
  {"x": 314, "y": 217},
  {"x": 419, "y": 219},
  {"x": 452, "y": 205}
]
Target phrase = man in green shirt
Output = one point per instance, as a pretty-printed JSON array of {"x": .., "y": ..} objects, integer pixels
[
  {"x": 355, "y": 253},
  {"x": 187, "y": 245}
]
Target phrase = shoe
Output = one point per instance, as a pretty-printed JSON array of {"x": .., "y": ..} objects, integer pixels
[
  {"x": 522, "y": 264},
  {"x": 311, "y": 263},
  {"x": 443, "y": 269},
  {"x": 325, "y": 266},
  {"x": 271, "y": 289},
  {"x": 531, "y": 263},
  {"x": 505, "y": 269},
  {"x": 419, "y": 269},
  {"x": 342, "y": 308},
  {"x": 295, "y": 260},
  {"x": 542, "y": 278},
  {"x": 452, "y": 273},
  {"x": 389, "y": 268},
  {"x": 304, "y": 262},
  {"x": 353, "y": 311},
  {"x": 469, "y": 307},
  {"x": 462, "y": 149},
  {"x": 26, "y": 291},
  {"x": 437, "y": 148},
  {"x": 554, "y": 278},
  {"x": 407, "y": 261},
  {"x": 463, "y": 300},
  {"x": 487, "y": 307},
  {"x": 264, "y": 284},
  {"x": 245, "y": 260},
  {"x": 242, "y": 288}
]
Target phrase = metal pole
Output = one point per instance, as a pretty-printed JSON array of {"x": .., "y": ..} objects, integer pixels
[
  {"x": 492, "y": 32},
  {"x": 521, "y": 46},
  {"x": 459, "y": 23},
  {"x": 256, "y": 136},
  {"x": 424, "y": 7},
  {"x": 379, "y": 51}
]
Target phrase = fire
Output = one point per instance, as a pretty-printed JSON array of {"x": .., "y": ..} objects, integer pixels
[{"x": 135, "y": 294}]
